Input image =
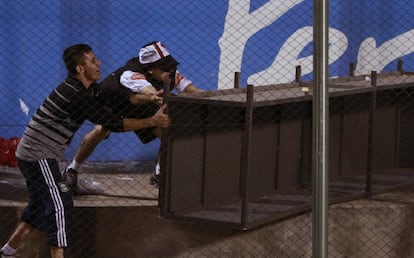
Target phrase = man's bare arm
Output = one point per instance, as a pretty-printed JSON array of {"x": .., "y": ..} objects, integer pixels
[
  {"x": 159, "y": 119},
  {"x": 138, "y": 98},
  {"x": 92, "y": 139},
  {"x": 192, "y": 88}
]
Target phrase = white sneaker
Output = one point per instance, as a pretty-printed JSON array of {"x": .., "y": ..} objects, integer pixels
[{"x": 2, "y": 255}]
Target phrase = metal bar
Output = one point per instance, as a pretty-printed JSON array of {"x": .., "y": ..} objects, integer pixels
[
  {"x": 341, "y": 137},
  {"x": 236, "y": 80},
  {"x": 371, "y": 132},
  {"x": 298, "y": 74},
  {"x": 205, "y": 149},
  {"x": 352, "y": 69},
  {"x": 245, "y": 156},
  {"x": 165, "y": 154},
  {"x": 320, "y": 129},
  {"x": 374, "y": 78},
  {"x": 302, "y": 177},
  {"x": 277, "y": 122},
  {"x": 400, "y": 65},
  {"x": 397, "y": 139},
  {"x": 168, "y": 87}
]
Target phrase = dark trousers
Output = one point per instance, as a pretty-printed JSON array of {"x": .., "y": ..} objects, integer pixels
[{"x": 50, "y": 208}]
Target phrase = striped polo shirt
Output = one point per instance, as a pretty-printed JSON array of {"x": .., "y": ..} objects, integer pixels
[{"x": 53, "y": 125}]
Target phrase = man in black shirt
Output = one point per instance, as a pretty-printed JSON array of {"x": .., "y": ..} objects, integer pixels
[
  {"x": 48, "y": 134},
  {"x": 134, "y": 90}
]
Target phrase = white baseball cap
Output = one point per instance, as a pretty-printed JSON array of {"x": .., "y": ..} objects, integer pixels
[
  {"x": 152, "y": 52},
  {"x": 156, "y": 55}
]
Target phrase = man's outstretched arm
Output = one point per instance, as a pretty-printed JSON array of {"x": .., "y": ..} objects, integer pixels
[{"x": 92, "y": 139}]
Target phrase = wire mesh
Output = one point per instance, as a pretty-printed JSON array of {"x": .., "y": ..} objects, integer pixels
[{"x": 236, "y": 162}]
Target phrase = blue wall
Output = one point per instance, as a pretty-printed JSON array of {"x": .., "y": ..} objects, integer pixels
[{"x": 205, "y": 36}]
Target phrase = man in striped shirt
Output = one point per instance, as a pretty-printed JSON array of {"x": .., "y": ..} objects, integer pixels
[
  {"x": 135, "y": 90},
  {"x": 48, "y": 134}
]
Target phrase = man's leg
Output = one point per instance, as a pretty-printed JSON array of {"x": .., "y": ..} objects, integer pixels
[
  {"x": 19, "y": 235},
  {"x": 155, "y": 176},
  {"x": 88, "y": 145},
  {"x": 58, "y": 205},
  {"x": 57, "y": 252},
  {"x": 32, "y": 215},
  {"x": 50, "y": 208}
]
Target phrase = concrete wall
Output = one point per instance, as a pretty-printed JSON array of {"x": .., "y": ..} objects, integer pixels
[{"x": 376, "y": 227}]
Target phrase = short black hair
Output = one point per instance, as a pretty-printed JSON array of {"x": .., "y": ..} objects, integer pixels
[
  {"x": 167, "y": 63},
  {"x": 74, "y": 55}
]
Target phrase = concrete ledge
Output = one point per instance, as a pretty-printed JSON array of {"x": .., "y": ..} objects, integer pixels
[
  {"x": 380, "y": 226},
  {"x": 123, "y": 222}
]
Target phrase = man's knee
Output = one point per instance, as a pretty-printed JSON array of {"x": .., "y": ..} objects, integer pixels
[{"x": 98, "y": 133}]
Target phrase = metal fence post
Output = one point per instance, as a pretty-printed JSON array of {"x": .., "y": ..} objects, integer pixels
[{"x": 320, "y": 129}]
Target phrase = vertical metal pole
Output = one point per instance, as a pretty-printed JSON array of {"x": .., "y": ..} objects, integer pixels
[
  {"x": 236, "y": 80},
  {"x": 320, "y": 130},
  {"x": 245, "y": 156},
  {"x": 400, "y": 65},
  {"x": 371, "y": 132},
  {"x": 164, "y": 190},
  {"x": 352, "y": 69},
  {"x": 298, "y": 74}
]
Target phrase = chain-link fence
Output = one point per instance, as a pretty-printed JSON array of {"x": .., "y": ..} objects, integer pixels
[{"x": 235, "y": 165}]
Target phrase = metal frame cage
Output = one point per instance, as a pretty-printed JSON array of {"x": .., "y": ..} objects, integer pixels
[{"x": 262, "y": 155}]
